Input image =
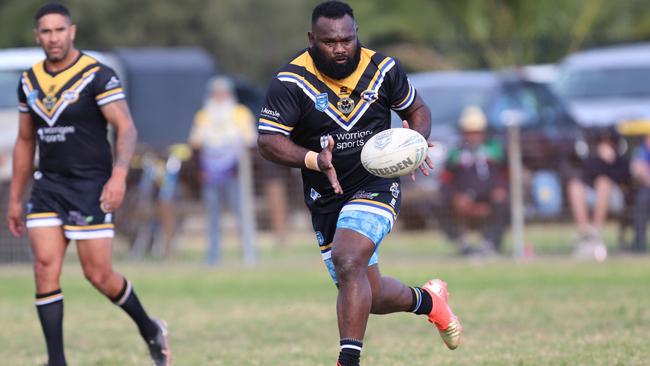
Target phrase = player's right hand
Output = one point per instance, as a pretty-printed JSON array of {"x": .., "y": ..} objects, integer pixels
[
  {"x": 15, "y": 218},
  {"x": 325, "y": 165}
]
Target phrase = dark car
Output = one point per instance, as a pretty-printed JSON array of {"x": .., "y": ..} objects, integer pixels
[{"x": 548, "y": 132}]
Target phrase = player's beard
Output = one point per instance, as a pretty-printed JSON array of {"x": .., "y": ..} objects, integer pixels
[{"x": 333, "y": 69}]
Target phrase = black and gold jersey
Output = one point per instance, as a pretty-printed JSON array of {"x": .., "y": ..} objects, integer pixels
[
  {"x": 306, "y": 105},
  {"x": 74, "y": 152}
]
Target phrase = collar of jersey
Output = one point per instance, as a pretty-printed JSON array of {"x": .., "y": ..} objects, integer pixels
[
  {"x": 51, "y": 116},
  {"x": 346, "y": 122}
]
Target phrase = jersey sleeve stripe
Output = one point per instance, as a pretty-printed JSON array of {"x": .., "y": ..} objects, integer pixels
[
  {"x": 110, "y": 98},
  {"x": 109, "y": 93},
  {"x": 276, "y": 124},
  {"x": 22, "y": 107},
  {"x": 408, "y": 100},
  {"x": 263, "y": 127}
]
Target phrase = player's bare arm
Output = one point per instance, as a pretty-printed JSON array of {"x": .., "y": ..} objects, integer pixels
[
  {"x": 23, "y": 161},
  {"x": 281, "y": 150},
  {"x": 418, "y": 118},
  {"x": 118, "y": 115}
]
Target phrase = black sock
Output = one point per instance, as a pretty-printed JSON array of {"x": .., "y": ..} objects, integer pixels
[
  {"x": 422, "y": 302},
  {"x": 50, "y": 313},
  {"x": 129, "y": 302},
  {"x": 350, "y": 352}
]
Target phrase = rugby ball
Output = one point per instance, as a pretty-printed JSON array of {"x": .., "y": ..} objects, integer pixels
[{"x": 394, "y": 152}]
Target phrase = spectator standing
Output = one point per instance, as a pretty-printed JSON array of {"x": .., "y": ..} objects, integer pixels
[{"x": 223, "y": 129}]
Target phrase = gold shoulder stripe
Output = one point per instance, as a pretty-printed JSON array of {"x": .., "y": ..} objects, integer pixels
[
  {"x": 109, "y": 93},
  {"x": 278, "y": 125}
]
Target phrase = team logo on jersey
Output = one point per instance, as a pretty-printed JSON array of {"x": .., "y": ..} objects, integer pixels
[
  {"x": 321, "y": 102},
  {"x": 49, "y": 102},
  {"x": 70, "y": 96},
  {"x": 324, "y": 141},
  {"x": 370, "y": 96},
  {"x": 345, "y": 105},
  {"x": 32, "y": 97}
]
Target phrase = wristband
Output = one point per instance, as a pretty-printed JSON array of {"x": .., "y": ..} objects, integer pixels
[{"x": 311, "y": 161}]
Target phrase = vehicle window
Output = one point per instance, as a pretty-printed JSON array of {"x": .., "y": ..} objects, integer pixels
[
  {"x": 603, "y": 83},
  {"x": 447, "y": 103},
  {"x": 520, "y": 98},
  {"x": 551, "y": 110},
  {"x": 8, "y": 87}
]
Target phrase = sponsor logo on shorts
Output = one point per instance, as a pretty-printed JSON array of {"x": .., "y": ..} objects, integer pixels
[
  {"x": 320, "y": 238},
  {"x": 365, "y": 195},
  {"x": 314, "y": 195},
  {"x": 394, "y": 190},
  {"x": 393, "y": 202},
  {"x": 77, "y": 219}
]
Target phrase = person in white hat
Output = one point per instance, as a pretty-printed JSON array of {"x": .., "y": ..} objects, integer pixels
[{"x": 475, "y": 180}]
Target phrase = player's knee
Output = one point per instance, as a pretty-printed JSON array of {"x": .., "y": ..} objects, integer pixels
[
  {"x": 348, "y": 266},
  {"x": 97, "y": 277},
  {"x": 45, "y": 269}
]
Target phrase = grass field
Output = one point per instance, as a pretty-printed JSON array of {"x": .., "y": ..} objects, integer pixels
[{"x": 549, "y": 311}]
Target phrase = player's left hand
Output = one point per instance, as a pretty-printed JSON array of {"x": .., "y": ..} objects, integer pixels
[
  {"x": 113, "y": 192},
  {"x": 427, "y": 162}
]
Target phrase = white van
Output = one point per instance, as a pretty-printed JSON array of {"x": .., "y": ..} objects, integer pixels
[
  {"x": 13, "y": 62},
  {"x": 607, "y": 86}
]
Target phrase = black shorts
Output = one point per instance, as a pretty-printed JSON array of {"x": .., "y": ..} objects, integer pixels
[
  {"x": 79, "y": 214},
  {"x": 371, "y": 211},
  {"x": 618, "y": 172}
]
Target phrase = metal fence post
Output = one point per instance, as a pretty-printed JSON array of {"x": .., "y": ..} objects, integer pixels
[
  {"x": 513, "y": 119},
  {"x": 249, "y": 229}
]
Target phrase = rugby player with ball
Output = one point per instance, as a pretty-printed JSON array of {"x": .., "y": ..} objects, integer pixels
[{"x": 329, "y": 102}]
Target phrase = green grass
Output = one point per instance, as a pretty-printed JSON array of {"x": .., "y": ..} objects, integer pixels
[{"x": 549, "y": 311}]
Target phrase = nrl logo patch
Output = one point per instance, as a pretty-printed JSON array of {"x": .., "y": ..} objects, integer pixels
[
  {"x": 321, "y": 102},
  {"x": 370, "y": 96},
  {"x": 31, "y": 98}
]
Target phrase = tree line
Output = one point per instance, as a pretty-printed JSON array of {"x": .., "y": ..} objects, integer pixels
[{"x": 253, "y": 38}]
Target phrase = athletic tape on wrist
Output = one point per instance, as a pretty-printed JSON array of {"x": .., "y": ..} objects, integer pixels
[{"x": 311, "y": 161}]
